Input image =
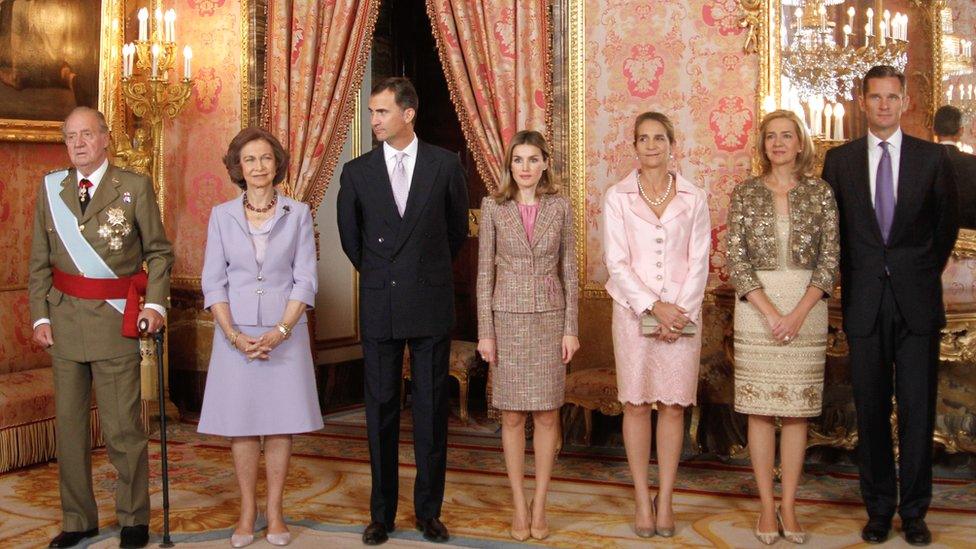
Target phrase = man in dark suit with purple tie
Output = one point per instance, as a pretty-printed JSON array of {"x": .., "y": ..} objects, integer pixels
[{"x": 897, "y": 201}]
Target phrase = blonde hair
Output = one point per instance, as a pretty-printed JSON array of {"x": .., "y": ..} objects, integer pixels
[
  {"x": 804, "y": 161},
  {"x": 507, "y": 189}
]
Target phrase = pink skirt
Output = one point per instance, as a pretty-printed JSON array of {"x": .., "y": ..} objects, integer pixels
[{"x": 650, "y": 370}]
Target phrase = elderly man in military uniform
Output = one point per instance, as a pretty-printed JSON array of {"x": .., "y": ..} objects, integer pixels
[{"x": 94, "y": 227}]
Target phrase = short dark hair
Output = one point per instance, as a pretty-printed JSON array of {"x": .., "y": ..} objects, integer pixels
[
  {"x": 882, "y": 71},
  {"x": 232, "y": 160},
  {"x": 657, "y": 117},
  {"x": 404, "y": 93},
  {"x": 948, "y": 121}
]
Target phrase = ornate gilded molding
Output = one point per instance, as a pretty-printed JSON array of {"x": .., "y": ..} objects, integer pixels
[
  {"x": 965, "y": 245},
  {"x": 576, "y": 172},
  {"x": 958, "y": 342}
]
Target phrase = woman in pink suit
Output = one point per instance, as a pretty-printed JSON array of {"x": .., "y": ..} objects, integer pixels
[
  {"x": 656, "y": 240},
  {"x": 259, "y": 276}
]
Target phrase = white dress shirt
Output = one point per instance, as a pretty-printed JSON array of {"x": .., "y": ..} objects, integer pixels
[
  {"x": 409, "y": 161},
  {"x": 96, "y": 178},
  {"x": 874, "y": 158}
]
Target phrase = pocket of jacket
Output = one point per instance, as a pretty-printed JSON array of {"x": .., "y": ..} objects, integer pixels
[{"x": 54, "y": 296}]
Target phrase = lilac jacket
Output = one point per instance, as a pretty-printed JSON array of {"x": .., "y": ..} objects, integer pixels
[{"x": 258, "y": 295}]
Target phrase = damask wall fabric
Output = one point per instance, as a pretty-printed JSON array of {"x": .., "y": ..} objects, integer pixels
[
  {"x": 496, "y": 56},
  {"x": 197, "y": 139},
  {"x": 24, "y": 166},
  {"x": 317, "y": 53},
  {"x": 682, "y": 58}
]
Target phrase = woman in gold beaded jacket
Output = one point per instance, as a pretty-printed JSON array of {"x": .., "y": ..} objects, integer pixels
[{"x": 783, "y": 252}]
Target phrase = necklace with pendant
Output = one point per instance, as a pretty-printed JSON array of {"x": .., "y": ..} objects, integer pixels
[{"x": 660, "y": 199}]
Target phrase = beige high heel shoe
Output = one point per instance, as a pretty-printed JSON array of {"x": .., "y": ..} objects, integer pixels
[
  {"x": 537, "y": 533},
  {"x": 663, "y": 532},
  {"x": 798, "y": 538},
  {"x": 766, "y": 538},
  {"x": 281, "y": 539},
  {"x": 521, "y": 535}
]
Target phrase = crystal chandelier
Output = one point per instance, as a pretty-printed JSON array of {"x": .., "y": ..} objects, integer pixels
[
  {"x": 823, "y": 59},
  {"x": 957, "y": 66}
]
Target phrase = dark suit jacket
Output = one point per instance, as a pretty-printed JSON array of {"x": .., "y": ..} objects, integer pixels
[
  {"x": 922, "y": 235},
  {"x": 405, "y": 279},
  {"x": 964, "y": 165}
]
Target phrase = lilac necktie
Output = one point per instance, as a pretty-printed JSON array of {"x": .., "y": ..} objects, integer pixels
[
  {"x": 400, "y": 183},
  {"x": 884, "y": 192}
]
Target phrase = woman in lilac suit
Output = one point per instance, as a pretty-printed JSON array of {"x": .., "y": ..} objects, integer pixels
[
  {"x": 259, "y": 276},
  {"x": 656, "y": 239}
]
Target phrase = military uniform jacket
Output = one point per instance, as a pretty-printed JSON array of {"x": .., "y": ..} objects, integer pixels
[{"x": 88, "y": 329}]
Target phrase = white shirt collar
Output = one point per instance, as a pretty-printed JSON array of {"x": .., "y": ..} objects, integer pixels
[
  {"x": 96, "y": 176},
  {"x": 955, "y": 144},
  {"x": 894, "y": 140},
  {"x": 411, "y": 150}
]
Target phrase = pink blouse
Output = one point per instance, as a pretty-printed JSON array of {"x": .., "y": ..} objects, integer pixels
[{"x": 528, "y": 213}]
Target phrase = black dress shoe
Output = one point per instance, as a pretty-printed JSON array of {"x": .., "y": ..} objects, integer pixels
[
  {"x": 916, "y": 532},
  {"x": 376, "y": 534},
  {"x": 70, "y": 539},
  {"x": 134, "y": 537},
  {"x": 876, "y": 531},
  {"x": 433, "y": 529}
]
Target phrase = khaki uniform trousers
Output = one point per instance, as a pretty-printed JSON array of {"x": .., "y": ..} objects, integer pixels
[{"x": 117, "y": 388}]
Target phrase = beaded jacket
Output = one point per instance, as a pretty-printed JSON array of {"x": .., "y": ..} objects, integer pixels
[{"x": 751, "y": 239}]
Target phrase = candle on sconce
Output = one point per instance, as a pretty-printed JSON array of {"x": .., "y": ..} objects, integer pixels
[
  {"x": 884, "y": 33},
  {"x": 170, "y": 18},
  {"x": 143, "y": 24},
  {"x": 798, "y": 15},
  {"x": 869, "y": 27},
  {"x": 949, "y": 93},
  {"x": 823, "y": 16},
  {"x": 839, "y": 122},
  {"x": 850, "y": 17},
  {"x": 828, "y": 118},
  {"x": 187, "y": 56},
  {"x": 155, "y": 59},
  {"x": 847, "y": 35},
  {"x": 867, "y": 34}
]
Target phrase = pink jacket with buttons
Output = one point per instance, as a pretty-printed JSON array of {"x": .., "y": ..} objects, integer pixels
[{"x": 651, "y": 259}]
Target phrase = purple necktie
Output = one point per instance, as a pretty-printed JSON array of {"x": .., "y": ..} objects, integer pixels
[{"x": 884, "y": 192}]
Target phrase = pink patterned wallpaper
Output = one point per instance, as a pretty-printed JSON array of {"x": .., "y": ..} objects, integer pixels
[
  {"x": 683, "y": 58},
  {"x": 197, "y": 139}
]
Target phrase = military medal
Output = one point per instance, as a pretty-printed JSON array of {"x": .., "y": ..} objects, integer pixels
[
  {"x": 127, "y": 197},
  {"x": 114, "y": 228}
]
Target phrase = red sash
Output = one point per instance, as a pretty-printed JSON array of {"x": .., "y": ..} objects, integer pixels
[{"x": 130, "y": 288}]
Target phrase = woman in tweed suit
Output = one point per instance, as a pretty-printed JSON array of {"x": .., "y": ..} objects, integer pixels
[{"x": 527, "y": 305}]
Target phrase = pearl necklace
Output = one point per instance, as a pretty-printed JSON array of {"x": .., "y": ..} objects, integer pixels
[{"x": 659, "y": 200}]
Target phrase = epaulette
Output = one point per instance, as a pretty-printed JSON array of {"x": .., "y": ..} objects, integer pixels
[{"x": 58, "y": 170}]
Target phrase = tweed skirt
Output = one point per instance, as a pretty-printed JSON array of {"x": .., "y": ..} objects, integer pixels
[{"x": 530, "y": 374}]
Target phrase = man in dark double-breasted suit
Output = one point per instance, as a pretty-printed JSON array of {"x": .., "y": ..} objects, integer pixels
[
  {"x": 897, "y": 202},
  {"x": 402, "y": 215}
]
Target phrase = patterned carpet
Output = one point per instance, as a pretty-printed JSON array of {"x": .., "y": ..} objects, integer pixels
[{"x": 328, "y": 490}]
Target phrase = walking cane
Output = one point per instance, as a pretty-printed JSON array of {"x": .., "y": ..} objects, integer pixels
[{"x": 158, "y": 336}]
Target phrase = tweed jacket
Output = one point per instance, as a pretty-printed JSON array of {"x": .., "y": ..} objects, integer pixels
[
  {"x": 518, "y": 276},
  {"x": 258, "y": 294},
  {"x": 90, "y": 329},
  {"x": 751, "y": 239},
  {"x": 653, "y": 259}
]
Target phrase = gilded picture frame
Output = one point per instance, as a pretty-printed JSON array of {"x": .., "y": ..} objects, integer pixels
[{"x": 56, "y": 50}]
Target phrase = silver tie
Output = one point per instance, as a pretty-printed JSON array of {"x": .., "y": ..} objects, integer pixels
[{"x": 400, "y": 182}]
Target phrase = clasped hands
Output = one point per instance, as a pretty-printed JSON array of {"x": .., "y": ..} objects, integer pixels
[
  {"x": 784, "y": 328},
  {"x": 258, "y": 348},
  {"x": 671, "y": 319}
]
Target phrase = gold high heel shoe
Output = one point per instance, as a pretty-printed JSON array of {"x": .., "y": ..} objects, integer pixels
[
  {"x": 766, "y": 538},
  {"x": 798, "y": 538},
  {"x": 663, "y": 532},
  {"x": 649, "y": 531}
]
